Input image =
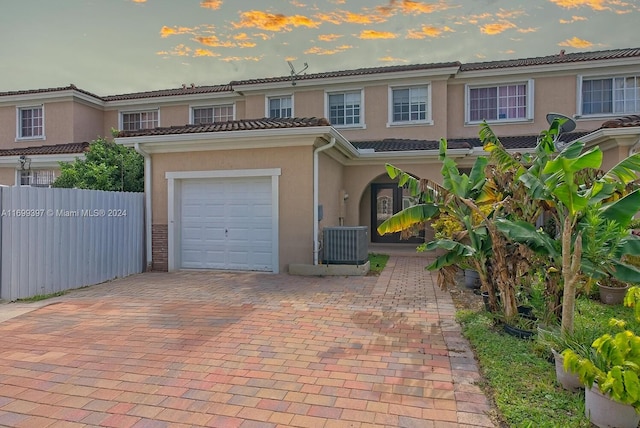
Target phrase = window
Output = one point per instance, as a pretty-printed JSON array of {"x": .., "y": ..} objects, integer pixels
[
  {"x": 31, "y": 122},
  {"x": 203, "y": 115},
  {"x": 139, "y": 120},
  {"x": 345, "y": 108},
  {"x": 409, "y": 104},
  {"x": 615, "y": 95},
  {"x": 37, "y": 178},
  {"x": 280, "y": 107},
  {"x": 508, "y": 102}
]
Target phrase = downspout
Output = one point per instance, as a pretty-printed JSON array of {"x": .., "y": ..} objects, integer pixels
[
  {"x": 147, "y": 202},
  {"x": 316, "y": 243}
]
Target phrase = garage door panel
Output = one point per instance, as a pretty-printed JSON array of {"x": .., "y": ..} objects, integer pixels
[{"x": 234, "y": 215}]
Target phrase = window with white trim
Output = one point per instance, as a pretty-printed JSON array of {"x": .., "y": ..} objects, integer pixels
[
  {"x": 133, "y": 121},
  {"x": 610, "y": 95},
  {"x": 37, "y": 178},
  {"x": 504, "y": 102},
  {"x": 410, "y": 104},
  {"x": 31, "y": 122},
  {"x": 212, "y": 114},
  {"x": 345, "y": 108},
  {"x": 280, "y": 107}
]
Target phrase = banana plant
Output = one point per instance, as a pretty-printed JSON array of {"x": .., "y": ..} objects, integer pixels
[
  {"x": 462, "y": 197},
  {"x": 562, "y": 184}
]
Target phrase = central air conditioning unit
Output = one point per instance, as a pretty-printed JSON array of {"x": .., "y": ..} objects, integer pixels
[{"x": 345, "y": 245}]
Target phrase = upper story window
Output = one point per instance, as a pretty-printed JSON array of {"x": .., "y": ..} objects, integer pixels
[
  {"x": 505, "y": 102},
  {"x": 31, "y": 122},
  {"x": 345, "y": 108},
  {"x": 612, "y": 95},
  {"x": 132, "y": 121},
  {"x": 222, "y": 113},
  {"x": 410, "y": 104},
  {"x": 280, "y": 107}
]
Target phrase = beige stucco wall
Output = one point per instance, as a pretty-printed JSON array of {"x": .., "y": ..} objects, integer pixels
[
  {"x": 311, "y": 103},
  {"x": 611, "y": 157},
  {"x": 8, "y": 176},
  {"x": 109, "y": 120},
  {"x": 295, "y": 189},
  {"x": 8, "y": 126},
  {"x": 57, "y": 118},
  {"x": 254, "y": 107},
  {"x": 552, "y": 93},
  {"x": 330, "y": 183},
  {"x": 58, "y": 125},
  {"x": 87, "y": 123},
  {"x": 174, "y": 115}
]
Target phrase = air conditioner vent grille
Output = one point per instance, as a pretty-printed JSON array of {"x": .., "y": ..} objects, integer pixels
[{"x": 345, "y": 245}]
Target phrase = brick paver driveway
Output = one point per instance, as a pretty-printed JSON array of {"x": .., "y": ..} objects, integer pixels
[{"x": 242, "y": 349}]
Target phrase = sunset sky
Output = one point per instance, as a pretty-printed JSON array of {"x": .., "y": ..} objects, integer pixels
[{"x": 119, "y": 46}]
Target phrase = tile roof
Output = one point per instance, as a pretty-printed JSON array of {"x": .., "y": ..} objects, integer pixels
[
  {"x": 55, "y": 149},
  {"x": 510, "y": 143},
  {"x": 398, "y": 144},
  {"x": 233, "y": 125},
  {"x": 623, "y": 122},
  {"x": 346, "y": 73},
  {"x": 524, "y": 141},
  {"x": 560, "y": 58},
  {"x": 71, "y": 87},
  {"x": 184, "y": 90}
]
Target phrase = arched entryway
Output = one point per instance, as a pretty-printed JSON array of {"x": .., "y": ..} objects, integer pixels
[{"x": 386, "y": 200}]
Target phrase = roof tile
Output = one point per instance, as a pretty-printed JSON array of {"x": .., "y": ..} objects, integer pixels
[
  {"x": 233, "y": 125},
  {"x": 623, "y": 122},
  {"x": 346, "y": 73},
  {"x": 71, "y": 87},
  {"x": 510, "y": 143},
  {"x": 54, "y": 149},
  {"x": 560, "y": 58},
  {"x": 185, "y": 90}
]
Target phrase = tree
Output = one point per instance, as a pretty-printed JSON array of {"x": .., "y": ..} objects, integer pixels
[
  {"x": 498, "y": 204},
  {"x": 571, "y": 187},
  {"x": 106, "y": 166}
]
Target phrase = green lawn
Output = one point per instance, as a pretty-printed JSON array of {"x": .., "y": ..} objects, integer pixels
[
  {"x": 377, "y": 262},
  {"x": 520, "y": 375}
]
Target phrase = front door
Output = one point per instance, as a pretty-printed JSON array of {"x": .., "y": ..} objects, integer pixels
[{"x": 386, "y": 200}]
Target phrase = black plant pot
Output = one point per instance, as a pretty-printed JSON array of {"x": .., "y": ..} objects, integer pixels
[
  {"x": 518, "y": 332},
  {"x": 526, "y": 312}
]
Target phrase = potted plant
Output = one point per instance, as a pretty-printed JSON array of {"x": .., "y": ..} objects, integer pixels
[
  {"x": 556, "y": 342},
  {"x": 611, "y": 373},
  {"x": 608, "y": 248}
]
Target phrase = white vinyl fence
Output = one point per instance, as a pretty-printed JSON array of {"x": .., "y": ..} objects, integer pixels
[{"x": 53, "y": 240}]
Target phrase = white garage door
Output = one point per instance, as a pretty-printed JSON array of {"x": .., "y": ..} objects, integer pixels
[{"x": 226, "y": 223}]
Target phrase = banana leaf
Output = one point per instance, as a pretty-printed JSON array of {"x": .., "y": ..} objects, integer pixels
[{"x": 408, "y": 218}]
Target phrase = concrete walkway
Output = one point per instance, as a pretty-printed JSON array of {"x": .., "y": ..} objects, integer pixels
[{"x": 243, "y": 350}]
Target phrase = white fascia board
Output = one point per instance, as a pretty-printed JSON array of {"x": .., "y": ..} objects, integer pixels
[
  {"x": 224, "y": 140},
  {"x": 57, "y": 96},
  {"x": 360, "y": 79},
  {"x": 624, "y": 136},
  {"x": 41, "y": 161},
  {"x": 408, "y": 157}
]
